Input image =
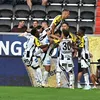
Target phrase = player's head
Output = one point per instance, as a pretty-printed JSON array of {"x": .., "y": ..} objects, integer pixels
[
  {"x": 65, "y": 33},
  {"x": 81, "y": 31},
  {"x": 65, "y": 26},
  {"x": 34, "y": 32},
  {"x": 65, "y": 14},
  {"x": 39, "y": 28},
  {"x": 58, "y": 33},
  {"x": 44, "y": 24}
]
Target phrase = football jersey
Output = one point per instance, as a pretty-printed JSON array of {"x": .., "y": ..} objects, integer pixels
[
  {"x": 85, "y": 44},
  {"x": 65, "y": 48},
  {"x": 44, "y": 38},
  {"x": 57, "y": 21},
  {"x": 32, "y": 42},
  {"x": 73, "y": 37}
]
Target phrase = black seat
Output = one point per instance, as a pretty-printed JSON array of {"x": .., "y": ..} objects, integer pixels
[
  {"x": 22, "y": 11},
  {"x": 87, "y": 12},
  {"x": 55, "y": 1},
  {"x": 53, "y": 11},
  {"x": 5, "y": 25},
  {"x": 89, "y": 1},
  {"x": 73, "y": 11},
  {"x": 72, "y": 1},
  {"x": 88, "y": 26},
  {"x": 6, "y": 10},
  {"x": 72, "y": 26},
  {"x": 38, "y": 11}
]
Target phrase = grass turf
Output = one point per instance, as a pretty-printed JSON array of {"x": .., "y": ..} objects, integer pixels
[{"x": 31, "y": 93}]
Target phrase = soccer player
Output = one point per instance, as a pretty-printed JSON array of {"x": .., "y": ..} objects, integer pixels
[
  {"x": 28, "y": 56},
  {"x": 65, "y": 62},
  {"x": 84, "y": 57},
  {"x": 96, "y": 78},
  {"x": 58, "y": 20},
  {"x": 46, "y": 59}
]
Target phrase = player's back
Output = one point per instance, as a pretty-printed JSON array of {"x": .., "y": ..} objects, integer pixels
[
  {"x": 30, "y": 42},
  {"x": 65, "y": 47},
  {"x": 44, "y": 38}
]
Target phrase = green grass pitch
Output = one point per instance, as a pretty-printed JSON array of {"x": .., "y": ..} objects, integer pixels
[{"x": 31, "y": 93}]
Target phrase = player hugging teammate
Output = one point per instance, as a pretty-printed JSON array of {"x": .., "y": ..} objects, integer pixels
[{"x": 42, "y": 41}]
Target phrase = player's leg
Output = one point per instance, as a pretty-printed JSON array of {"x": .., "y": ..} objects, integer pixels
[
  {"x": 47, "y": 66},
  {"x": 37, "y": 69},
  {"x": 85, "y": 69},
  {"x": 71, "y": 79},
  {"x": 93, "y": 79},
  {"x": 80, "y": 73},
  {"x": 58, "y": 74}
]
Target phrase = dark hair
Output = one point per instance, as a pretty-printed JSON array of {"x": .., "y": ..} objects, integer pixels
[
  {"x": 33, "y": 31},
  {"x": 45, "y": 21},
  {"x": 82, "y": 30},
  {"x": 36, "y": 21},
  {"x": 58, "y": 31},
  {"x": 65, "y": 33},
  {"x": 65, "y": 10},
  {"x": 65, "y": 23},
  {"x": 39, "y": 27}
]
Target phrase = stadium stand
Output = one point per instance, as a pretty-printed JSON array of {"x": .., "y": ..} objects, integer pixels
[
  {"x": 6, "y": 10},
  {"x": 72, "y": 1},
  {"x": 87, "y": 12},
  {"x": 89, "y": 1},
  {"x": 22, "y": 11},
  {"x": 38, "y": 11},
  {"x": 88, "y": 26},
  {"x": 53, "y": 11},
  {"x": 82, "y": 10},
  {"x": 55, "y": 1},
  {"x": 5, "y": 25},
  {"x": 73, "y": 26}
]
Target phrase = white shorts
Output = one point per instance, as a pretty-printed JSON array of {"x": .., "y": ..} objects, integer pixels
[
  {"x": 64, "y": 65},
  {"x": 29, "y": 60},
  {"x": 84, "y": 64},
  {"x": 47, "y": 59}
]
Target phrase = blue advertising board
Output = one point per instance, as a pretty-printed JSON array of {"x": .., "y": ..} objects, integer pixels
[{"x": 12, "y": 69}]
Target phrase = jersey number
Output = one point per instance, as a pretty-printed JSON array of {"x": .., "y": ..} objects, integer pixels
[{"x": 66, "y": 46}]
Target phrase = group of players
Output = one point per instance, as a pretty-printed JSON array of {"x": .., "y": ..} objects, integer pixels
[{"x": 42, "y": 42}]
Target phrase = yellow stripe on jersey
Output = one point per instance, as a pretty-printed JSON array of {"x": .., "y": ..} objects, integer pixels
[
  {"x": 73, "y": 37},
  {"x": 56, "y": 41},
  {"x": 57, "y": 20},
  {"x": 81, "y": 41},
  {"x": 37, "y": 42}
]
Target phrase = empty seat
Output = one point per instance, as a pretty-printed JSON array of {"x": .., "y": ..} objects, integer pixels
[
  {"x": 55, "y": 1},
  {"x": 72, "y": 1},
  {"x": 20, "y": 2},
  {"x": 36, "y": 2},
  {"x": 87, "y": 12},
  {"x": 53, "y": 11},
  {"x": 73, "y": 11},
  {"x": 88, "y": 26},
  {"x": 1, "y": 1},
  {"x": 72, "y": 26},
  {"x": 6, "y": 10},
  {"x": 89, "y": 1},
  {"x": 5, "y": 25},
  {"x": 22, "y": 11},
  {"x": 38, "y": 11}
]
